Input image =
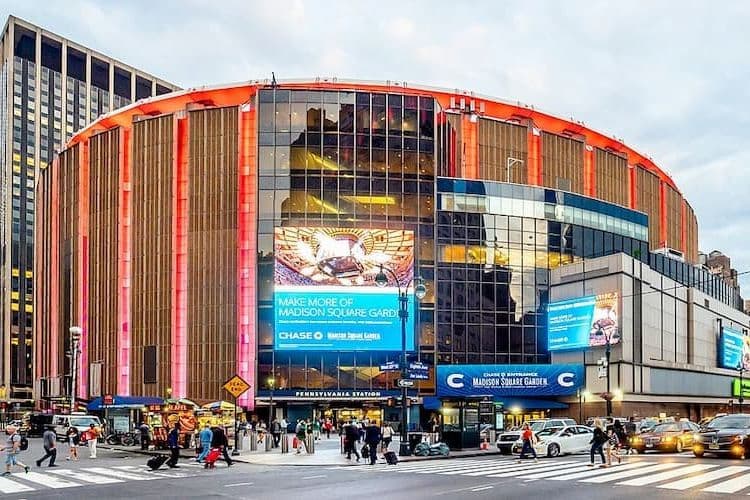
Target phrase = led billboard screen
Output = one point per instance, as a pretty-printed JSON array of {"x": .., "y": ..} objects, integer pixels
[
  {"x": 325, "y": 296},
  {"x": 583, "y": 322},
  {"x": 734, "y": 348}
]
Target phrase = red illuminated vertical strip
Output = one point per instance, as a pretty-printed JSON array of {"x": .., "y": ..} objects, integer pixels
[
  {"x": 683, "y": 227},
  {"x": 534, "y": 168},
  {"x": 662, "y": 214},
  {"x": 247, "y": 212},
  {"x": 589, "y": 171},
  {"x": 179, "y": 258},
  {"x": 633, "y": 184},
  {"x": 54, "y": 270},
  {"x": 470, "y": 148},
  {"x": 83, "y": 266},
  {"x": 123, "y": 265}
]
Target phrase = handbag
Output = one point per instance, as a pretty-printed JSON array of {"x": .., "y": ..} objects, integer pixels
[
  {"x": 295, "y": 442},
  {"x": 365, "y": 450}
]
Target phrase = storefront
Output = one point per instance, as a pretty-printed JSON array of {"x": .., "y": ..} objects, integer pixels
[{"x": 122, "y": 413}]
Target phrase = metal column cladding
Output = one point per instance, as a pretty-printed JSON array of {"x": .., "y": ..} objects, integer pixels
[
  {"x": 589, "y": 172},
  {"x": 123, "y": 265},
  {"x": 179, "y": 258},
  {"x": 83, "y": 266},
  {"x": 663, "y": 240},
  {"x": 534, "y": 169},
  {"x": 470, "y": 147},
  {"x": 54, "y": 270},
  {"x": 247, "y": 212},
  {"x": 633, "y": 185}
]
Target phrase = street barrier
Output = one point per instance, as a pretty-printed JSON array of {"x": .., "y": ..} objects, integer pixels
[
  {"x": 268, "y": 440},
  {"x": 285, "y": 443},
  {"x": 253, "y": 441},
  {"x": 310, "y": 444}
]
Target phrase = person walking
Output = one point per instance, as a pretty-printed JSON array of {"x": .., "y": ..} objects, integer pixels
[
  {"x": 276, "y": 432},
  {"x": 73, "y": 439},
  {"x": 92, "y": 436},
  {"x": 372, "y": 438},
  {"x": 328, "y": 426},
  {"x": 300, "y": 433},
  {"x": 613, "y": 447},
  {"x": 219, "y": 440},
  {"x": 527, "y": 435},
  {"x": 597, "y": 442},
  {"x": 12, "y": 450},
  {"x": 173, "y": 442},
  {"x": 205, "y": 438},
  {"x": 145, "y": 435},
  {"x": 49, "y": 441},
  {"x": 387, "y": 433},
  {"x": 351, "y": 436},
  {"x": 622, "y": 436}
]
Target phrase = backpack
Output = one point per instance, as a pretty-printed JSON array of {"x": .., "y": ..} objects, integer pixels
[{"x": 24, "y": 443}]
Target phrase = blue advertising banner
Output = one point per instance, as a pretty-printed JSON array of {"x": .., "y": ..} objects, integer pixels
[
  {"x": 583, "y": 322},
  {"x": 352, "y": 319},
  {"x": 734, "y": 348},
  {"x": 509, "y": 380}
]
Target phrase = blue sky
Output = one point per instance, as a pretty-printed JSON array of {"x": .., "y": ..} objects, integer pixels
[{"x": 670, "y": 78}]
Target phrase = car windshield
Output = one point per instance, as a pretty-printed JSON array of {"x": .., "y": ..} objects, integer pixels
[
  {"x": 548, "y": 432},
  {"x": 83, "y": 421},
  {"x": 536, "y": 426},
  {"x": 667, "y": 428},
  {"x": 729, "y": 422}
]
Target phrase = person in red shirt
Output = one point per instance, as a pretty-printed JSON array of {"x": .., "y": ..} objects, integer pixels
[{"x": 528, "y": 438}]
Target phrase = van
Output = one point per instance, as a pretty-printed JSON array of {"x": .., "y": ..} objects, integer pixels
[{"x": 80, "y": 421}]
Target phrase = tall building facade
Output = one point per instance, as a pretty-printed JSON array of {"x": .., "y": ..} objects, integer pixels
[
  {"x": 50, "y": 88},
  {"x": 251, "y": 221}
]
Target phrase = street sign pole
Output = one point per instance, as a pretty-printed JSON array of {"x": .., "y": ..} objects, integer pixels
[
  {"x": 236, "y": 386},
  {"x": 236, "y": 450}
]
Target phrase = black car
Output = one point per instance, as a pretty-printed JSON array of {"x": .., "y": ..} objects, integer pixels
[{"x": 727, "y": 435}]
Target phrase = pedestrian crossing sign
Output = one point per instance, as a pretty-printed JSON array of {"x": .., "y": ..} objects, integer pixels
[{"x": 236, "y": 386}]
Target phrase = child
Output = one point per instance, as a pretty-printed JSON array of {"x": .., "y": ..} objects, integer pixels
[{"x": 613, "y": 447}]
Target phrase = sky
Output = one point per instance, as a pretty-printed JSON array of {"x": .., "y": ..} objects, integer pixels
[{"x": 669, "y": 78}]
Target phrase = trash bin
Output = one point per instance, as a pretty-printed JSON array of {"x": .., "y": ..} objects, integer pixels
[{"x": 414, "y": 440}]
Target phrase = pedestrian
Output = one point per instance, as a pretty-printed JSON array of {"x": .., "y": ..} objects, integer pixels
[
  {"x": 622, "y": 436},
  {"x": 351, "y": 436},
  {"x": 173, "y": 442},
  {"x": 597, "y": 442},
  {"x": 372, "y": 438},
  {"x": 12, "y": 450},
  {"x": 145, "y": 435},
  {"x": 49, "y": 441},
  {"x": 613, "y": 447},
  {"x": 630, "y": 429},
  {"x": 276, "y": 432},
  {"x": 92, "y": 436},
  {"x": 328, "y": 426},
  {"x": 261, "y": 428},
  {"x": 73, "y": 440},
  {"x": 219, "y": 440},
  {"x": 316, "y": 429},
  {"x": 205, "y": 438},
  {"x": 300, "y": 433},
  {"x": 527, "y": 435},
  {"x": 387, "y": 433}
]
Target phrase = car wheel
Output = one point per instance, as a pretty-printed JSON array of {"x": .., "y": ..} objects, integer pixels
[
  {"x": 553, "y": 450},
  {"x": 678, "y": 446},
  {"x": 697, "y": 453}
]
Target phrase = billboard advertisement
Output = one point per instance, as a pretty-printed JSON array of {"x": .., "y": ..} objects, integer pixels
[
  {"x": 583, "y": 322},
  {"x": 509, "y": 380},
  {"x": 734, "y": 348},
  {"x": 325, "y": 296}
]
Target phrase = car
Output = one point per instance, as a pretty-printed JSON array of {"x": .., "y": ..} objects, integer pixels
[
  {"x": 728, "y": 435},
  {"x": 669, "y": 436},
  {"x": 507, "y": 440},
  {"x": 80, "y": 421},
  {"x": 556, "y": 441}
]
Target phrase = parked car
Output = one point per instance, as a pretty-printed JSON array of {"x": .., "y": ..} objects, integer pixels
[
  {"x": 80, "y": 421},
  {"x": 670, "y": 436},
  {"x": 507, "y": 440},
  {"x": 727, "y": 435},
  {"x": 556, "y": 441}
]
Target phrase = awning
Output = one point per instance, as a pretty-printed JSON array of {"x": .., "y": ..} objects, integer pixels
[
  {"x": 124, "y": 402},
  {"x": 531, "y": 404},
  {"x": 431, "y": 403}
]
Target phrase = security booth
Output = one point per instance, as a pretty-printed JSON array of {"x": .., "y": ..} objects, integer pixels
[{"x": 460, "y": 428}]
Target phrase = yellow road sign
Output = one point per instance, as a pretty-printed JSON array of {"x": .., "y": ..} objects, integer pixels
[{"x": 236, "y": 386}]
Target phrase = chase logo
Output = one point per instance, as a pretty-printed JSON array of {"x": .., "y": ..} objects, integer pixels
[
  {"x": 455, "y": 380},
  {"x": 566, "y": 379}
]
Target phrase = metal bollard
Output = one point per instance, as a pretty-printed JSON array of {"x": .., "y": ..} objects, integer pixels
[
  {"x": 310, "y": 444},
  {"x": 285, "y": 443},
  {"x": 253, "y": 441},
  {"x": 268, "y": 439}
]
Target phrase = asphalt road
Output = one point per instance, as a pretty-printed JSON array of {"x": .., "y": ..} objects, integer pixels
[{"x": 124, "y": 475}]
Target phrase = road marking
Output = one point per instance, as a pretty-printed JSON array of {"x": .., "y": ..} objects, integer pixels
[
  {"x": 596, "y": 472},
  {"x": 315, "y": 477},
  {"x": 168, "y": 473},
  {"x": 467, "y": 468},
  {"x": 730, "y": 486},
  {"x": 524, "y": 469},
  {"x": 8, "y": 486},
  {"x": 482, "y": 488},
  {"x": 88, "y": 478},
  {"x": 690, "y": 482},
  {"x": 119, "y": 474},
  {"x": 48, "y": 481},
  {"x": 630, "y": 473},
  {"x": 642, "y": 481},
  {"x": 237, "y": 484},
  {"x": 567, "y": 469}
]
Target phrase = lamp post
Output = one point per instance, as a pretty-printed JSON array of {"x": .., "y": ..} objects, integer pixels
[
  {"x": 608, "y": 337},
  {"x": 403, "y": 312},
  {"x": 271, "y": 383},
  {"x": 75, "y": 338},
  {"x": 509, "y": 162},
  {"x": 740, "y": 398}
]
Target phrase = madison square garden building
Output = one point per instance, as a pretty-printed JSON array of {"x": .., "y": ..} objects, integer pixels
[{"x": 239, "y": 229}]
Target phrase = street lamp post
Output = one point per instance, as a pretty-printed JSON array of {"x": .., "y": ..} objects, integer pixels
[
  {"x": 608, "y": 337},
  {"x": 740, "y": 398},
  {"x": 509, "y": 162},
  {"x": 75, "y": 338},
  {"x": 403, "y": 312},
  {"x": 271, "y": 383}
]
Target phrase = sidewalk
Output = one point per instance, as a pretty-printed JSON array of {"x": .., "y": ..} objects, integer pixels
[{"x": 327, "y": 453}]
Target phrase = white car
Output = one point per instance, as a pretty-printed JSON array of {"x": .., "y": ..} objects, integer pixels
[{"x": 556, "y": 441}]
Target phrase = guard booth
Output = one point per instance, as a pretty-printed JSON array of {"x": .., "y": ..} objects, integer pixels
[{"x": 461, "y": 427}]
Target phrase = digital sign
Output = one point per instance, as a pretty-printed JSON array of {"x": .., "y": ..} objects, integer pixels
[
  {"x": 325, "y": 296},
  {"x": 734, "y": 348},
  {"x": 583, "y": 322},
  {"x": 509, "y": 380}
]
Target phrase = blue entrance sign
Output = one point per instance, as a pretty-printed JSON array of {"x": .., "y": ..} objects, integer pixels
[
  {"x": 733, "y": 349},
  {"x": 340, "y": 319},
  {"x": 509, "y": 380}
]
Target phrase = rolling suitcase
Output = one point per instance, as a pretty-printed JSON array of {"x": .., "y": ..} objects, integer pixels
[
  {"x": 391, "y": 458},
  {"x": 156, "y": 462},
  {"x": 210, "y": 460}
]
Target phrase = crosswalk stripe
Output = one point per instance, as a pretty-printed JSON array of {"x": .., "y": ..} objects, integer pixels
[
  {"x": 498, "y": 469},
  {"x": 8, "y": 486},
  {"x": 641, "y": 481},
  {"x": 524, "y": 469},
  {"x": 475, "y": 469},
  {"x": 446, "y": 468},
  {"x": 596, "y": 472},
  {"x": 87, "y": 478},
  {"x": 730, "y": 486},
  {"x": 630, "y": 473},
  {"x": 691, "y": 482},
  {"x": 119, "y": 474},
  {"x": 566, "y": 470},
  {"x": 158, "y": 472},
  {"x": 48, "y": 481},
  {"x": 443, "y": 463}
]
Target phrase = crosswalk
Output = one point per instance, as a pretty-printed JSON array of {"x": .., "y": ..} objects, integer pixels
[
  {"x": 62, "y": 478},
  {"x": 676, "y": 474}
]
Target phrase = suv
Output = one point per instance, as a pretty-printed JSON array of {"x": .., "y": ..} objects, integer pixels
[{"x": 506, "y": 440}]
